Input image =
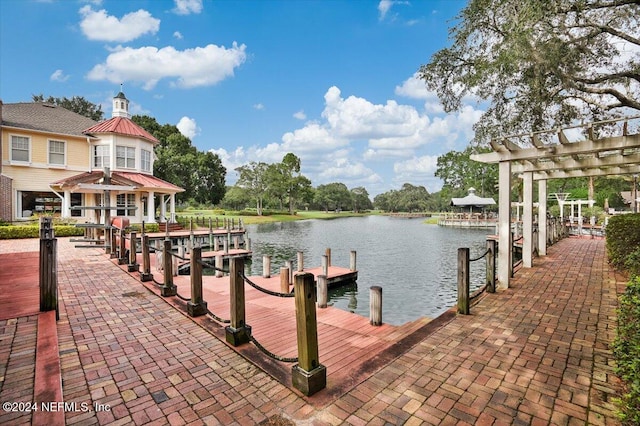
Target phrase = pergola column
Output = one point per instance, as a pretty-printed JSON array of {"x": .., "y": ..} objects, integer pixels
[
  {"x": 163, "y": 209},
  {"x": 527, "y": 220},
  {"x": 504, "y": 224},
  {"x": 542, "y": 217},
  {"x": 66, "y": 204}
]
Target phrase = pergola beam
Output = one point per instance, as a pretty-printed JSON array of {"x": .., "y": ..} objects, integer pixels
[
  {"x": 609, "y": 171},
  {"x": 571, "y": 164}
]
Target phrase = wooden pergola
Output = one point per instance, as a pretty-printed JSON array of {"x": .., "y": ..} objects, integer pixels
[{"x": 602, "y": 148}]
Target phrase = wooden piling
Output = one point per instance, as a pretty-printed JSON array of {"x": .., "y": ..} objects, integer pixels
[
  {"x": 48, "y": 263},
  {"x": 492, "y": 246},
  {"x": 308, "y": 376},
  {"x": 328, "y": 254},
  {"x": 133, "y": 252},
  {"x": 284, "y": 280},
  {"x": 238, "y": 332},
  {"x": 352, "y": 261},
  {"x": 463, "y": 280},
  {"x": 266, "y": 266},
  {"x": 325, "y": 264},
  {"x": 196, "y": 306},
  {"x": 322, "y": 291},
  {"x": 145, "y": 275},
  {"x": 300, "y": 259},
  {"x": 375, "y": 305},
  {"x": 168, "y": 288},
  {"x": 219, "y": 263},
  {"x": 122, "y": 247},
  {"x": 289, "y": 265}
]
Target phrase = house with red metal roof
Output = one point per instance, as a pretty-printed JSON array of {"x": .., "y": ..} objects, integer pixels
[{"x": 55, "y": 161}]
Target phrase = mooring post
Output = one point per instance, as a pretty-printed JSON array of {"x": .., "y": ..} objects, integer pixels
[
  {"x": 325, "y": 264},
  {"x": 238, "y": 332},
  {"x": 327, "y": 252},
  {"x": 168, "y": 288},
  {"x": 228, "y": 241},
  {"x": 48, "y": 267},
  {"x": 352, "y": 261},
  {"x": 112, "y": 237},
  {"x": 219, "y": 264},
  {"x": 492, "y": 247},
  {"x": 308, "y": 375},
  {"x": 122, "y": 247},
  {"x": 248, "y": 244},
  {"x": 133, "y": 252},
  {"x": 236, "y": 242},
  {"x": 463, "y": 280},
  {"x": 196, "y": 306},
  {"x": 284, "y": 280},
  {"x": 266, "y": 266},
  {"x": 289, "y": 265},
  {"x": 300, "y": 258},
  {"x": 375, "y": 305},
  {"x": 225, "y": 246},
  {"x": 323, "y": 296},
  {"x": 145, "y": 275}
]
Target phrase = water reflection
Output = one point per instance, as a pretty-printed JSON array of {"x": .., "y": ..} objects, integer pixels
[{"x": 414, "y": 263}]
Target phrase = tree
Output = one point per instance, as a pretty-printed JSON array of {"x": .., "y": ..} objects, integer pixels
[
  {"x": 236, "y": 198},
  {"x": 360, "y": 199},
  {"x": 253, "y": 178},
  {"x": 459, "y": 173},
  {"x": 77, "y": 104},
  {"x": 413, "y": 198},
  {"x": 200, "y": 173},
  {"x": 333, "y": 196},
  {"x": 540, "y": 64}
]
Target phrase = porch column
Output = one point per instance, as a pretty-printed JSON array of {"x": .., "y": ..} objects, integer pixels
[
  {"x": 172, "y": 207},
  {"x": 66, "y": 204},
  {"x": 163, "y": 209},
  {"x": 527, "y": 220},
  {"x": 151, "y": 208},
  {"x": 542, "y": 218},
  {"x": 504, "y": 224}
]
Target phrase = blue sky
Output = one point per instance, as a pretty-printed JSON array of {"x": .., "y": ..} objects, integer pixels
[{"x": 331, "y": 81}]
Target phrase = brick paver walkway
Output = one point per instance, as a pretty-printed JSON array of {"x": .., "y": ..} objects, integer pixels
[{"x": 536, "y": 353}]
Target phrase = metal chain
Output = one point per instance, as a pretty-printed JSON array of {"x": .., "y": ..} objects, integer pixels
[
  {"x": 271, "y": 354},
  {"x": 264, "y": 290}
]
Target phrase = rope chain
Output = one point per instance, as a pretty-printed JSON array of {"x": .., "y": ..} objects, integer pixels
[{"x": 271, "y": 354}]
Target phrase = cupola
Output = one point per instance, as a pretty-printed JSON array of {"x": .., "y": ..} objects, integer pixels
[{"x": 120, "y": 106}]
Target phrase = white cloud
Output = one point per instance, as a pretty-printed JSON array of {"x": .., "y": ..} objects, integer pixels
[
  {"x": 188, "y": 127},
  {"x": 415, "y": 88},
  {"x": 201, "y": 66},
  {"x": 59, "y": 75},
  {"x": 385, "y": 6},
  {"x": 258, "y": 106},
  {"x": 300, "y": 115},
  {"x": 177, "y": 35},
  {"x": 231, "y": 161},
  {"x": 425, "y": 166},
  {"x": 97, "y": 25},
  {"x": 186, "y": 7}
]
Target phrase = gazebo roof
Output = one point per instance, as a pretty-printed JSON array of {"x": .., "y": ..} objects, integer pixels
[{"x": 472, "y": 200}]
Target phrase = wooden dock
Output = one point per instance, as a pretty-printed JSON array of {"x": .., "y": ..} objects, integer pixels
[{"x": 349, "y": 346}]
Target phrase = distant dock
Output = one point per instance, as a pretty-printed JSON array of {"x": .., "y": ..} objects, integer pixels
[{"x": 467, "y": 220}]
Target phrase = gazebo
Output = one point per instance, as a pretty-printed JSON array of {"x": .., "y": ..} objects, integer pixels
[
  {"x": 472, "y": 200},
  {"x": 602, "y": 148}
]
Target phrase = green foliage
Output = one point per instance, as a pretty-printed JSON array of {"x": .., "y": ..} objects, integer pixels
[
  {"x": 632, "y": 264},
  {"x": 623, "y": 238},
  {"x": 148, "y": 227},
  {"x": 539, "y": 64},
  {"x": 333, "y": 196},
  {"x": 77, "y": 104},
  {"x": 33, "y": 231},
  {"x": 626, "y": 349},
  {"x": 201, "y": 174},
  {"x": 459, "y": 173}
]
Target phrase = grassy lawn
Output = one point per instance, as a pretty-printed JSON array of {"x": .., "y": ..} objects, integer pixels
[{"x": 302, "y": 215}]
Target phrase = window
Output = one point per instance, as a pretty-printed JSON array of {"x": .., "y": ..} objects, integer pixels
[
  {"x": 56, "y": 153},
  {"x": 76, "y": 200},
  {"x": 125, "y": 157},
  {"x": 101, "y": 156},
  {"x": 20, "y": 148},
  {"x": 126, "y": 204},
  {"x": 145, "y": 160}
]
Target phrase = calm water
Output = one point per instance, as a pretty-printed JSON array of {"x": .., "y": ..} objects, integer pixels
[{"x": 414, "y": 263}]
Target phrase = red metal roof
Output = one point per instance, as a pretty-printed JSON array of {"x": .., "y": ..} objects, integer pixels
[
  {"x": 143, "y": 181},
  {"x": 122, "y": 126}
]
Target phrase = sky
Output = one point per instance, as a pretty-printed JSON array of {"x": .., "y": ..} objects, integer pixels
[{"x": 334, "y": 81}]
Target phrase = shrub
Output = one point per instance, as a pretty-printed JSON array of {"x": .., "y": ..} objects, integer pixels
[
  {"x": 623, "y": 238},
  {"x": 33, "y": 231},
  {"x": 626, "y": 349}
]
